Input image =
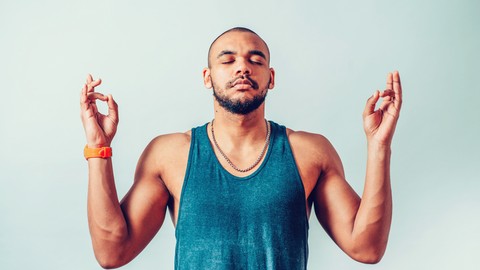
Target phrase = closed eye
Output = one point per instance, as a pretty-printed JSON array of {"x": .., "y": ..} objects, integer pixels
[{"x": 256, "y": 62}]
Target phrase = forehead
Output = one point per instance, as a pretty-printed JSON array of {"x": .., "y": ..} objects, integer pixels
[{"x": 238, "y": 42}]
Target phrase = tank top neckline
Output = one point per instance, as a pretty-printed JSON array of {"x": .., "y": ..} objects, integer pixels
[{"x": 256, "y": 171}]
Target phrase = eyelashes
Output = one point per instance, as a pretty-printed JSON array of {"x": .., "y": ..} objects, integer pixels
[{"x": 251, "y": 61}]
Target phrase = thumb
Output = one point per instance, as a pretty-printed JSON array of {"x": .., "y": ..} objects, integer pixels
[
  {"x": 371, "y": 102},
  {"x": 112, "y": 109}
]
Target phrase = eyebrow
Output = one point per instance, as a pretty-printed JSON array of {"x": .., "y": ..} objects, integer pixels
[
  {"x": 225, "y": 52},
  {"x": 259, "y": 53},
  {"x": 253, "y": 52}
]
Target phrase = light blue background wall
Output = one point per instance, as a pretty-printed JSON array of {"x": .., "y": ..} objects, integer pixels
[{"x": 329, "y": 57}]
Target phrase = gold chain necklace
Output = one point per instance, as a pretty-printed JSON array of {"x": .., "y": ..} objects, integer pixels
[{"x": 267, "y": 141}]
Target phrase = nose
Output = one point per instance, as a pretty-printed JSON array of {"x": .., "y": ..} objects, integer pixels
[{"x": 243, "y": 67}]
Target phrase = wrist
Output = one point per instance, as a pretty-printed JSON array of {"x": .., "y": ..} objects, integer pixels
[
  {"x": 379, "y": 151},
  {"x": 97, "y": 145},
  {"x": 380, "y": 143},
  {"x": 373, "y": 144},
  {"x": 98, "y": 142}
]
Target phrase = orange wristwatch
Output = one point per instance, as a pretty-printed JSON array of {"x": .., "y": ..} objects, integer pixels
[{"x": 103, "y": 152}]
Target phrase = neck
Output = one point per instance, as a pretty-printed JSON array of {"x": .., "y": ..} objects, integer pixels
[{"x": 235, "y": 130}]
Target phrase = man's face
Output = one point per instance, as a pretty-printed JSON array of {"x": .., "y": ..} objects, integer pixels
[{"x": 239, "y": 72}]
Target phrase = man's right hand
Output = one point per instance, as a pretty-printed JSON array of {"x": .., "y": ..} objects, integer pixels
[{"x": 99, "y": 128}]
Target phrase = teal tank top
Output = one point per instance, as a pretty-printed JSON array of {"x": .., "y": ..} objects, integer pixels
[{"x": 255, "y": 222}]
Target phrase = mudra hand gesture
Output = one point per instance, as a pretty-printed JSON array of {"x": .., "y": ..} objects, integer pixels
[
  {"x": 99, "y": 128},
  {"x": 379, "y": 124}
]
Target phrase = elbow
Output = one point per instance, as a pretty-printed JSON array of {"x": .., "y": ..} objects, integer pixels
[
  {"x": 112, "y": 250},
  {"x": 111, "y": 257},
  {"x": 373, "y": 258},
  {"x": 371, "y": 255},
  {"x": 109, "y": 262},
  {"x": 107, "y": 265}
]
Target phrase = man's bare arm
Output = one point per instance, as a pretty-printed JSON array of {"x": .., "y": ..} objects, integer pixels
[
  {"x": 361, "y": 226},
  {"x": 121, "y": 231},
  {"x": 118, "y": 232}
]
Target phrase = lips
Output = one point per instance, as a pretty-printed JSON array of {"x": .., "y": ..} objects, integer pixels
[{"x": 242, "y": 82}]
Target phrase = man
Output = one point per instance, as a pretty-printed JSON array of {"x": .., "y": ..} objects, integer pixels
[{"x": 239, "y": 189}]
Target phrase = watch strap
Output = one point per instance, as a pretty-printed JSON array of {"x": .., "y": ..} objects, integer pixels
[{"x": 102, "y": 152}]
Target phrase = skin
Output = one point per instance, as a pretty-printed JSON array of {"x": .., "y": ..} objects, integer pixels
[{"x": 359, "y": 226}]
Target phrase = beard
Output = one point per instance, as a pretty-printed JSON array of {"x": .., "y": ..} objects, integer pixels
[{"x": 242, "y": 107}]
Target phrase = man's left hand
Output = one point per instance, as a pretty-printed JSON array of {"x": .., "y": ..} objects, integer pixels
[{"x": 379, "y": 124}]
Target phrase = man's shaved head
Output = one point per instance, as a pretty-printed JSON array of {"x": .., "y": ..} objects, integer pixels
[{"x": 236, "y": 29}]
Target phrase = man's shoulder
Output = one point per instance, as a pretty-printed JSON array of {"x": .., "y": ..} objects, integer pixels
[
  {"x": 166, "y": 152},
  {"x": 311, "y": 146},
  {"x": 171, "y": 141},
  {"x": 305, "y": 138}
]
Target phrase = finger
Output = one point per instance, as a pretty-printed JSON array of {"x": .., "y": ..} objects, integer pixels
[
  {"x": 397, "y": 88},
  {"x": 91, "y": 83},
  {"x": 385, "y": 103},
  {"x": 83, "y": 98},
  {"x": 85, "y": 101},
  {"x": 96, "y": 82},
  {"x": 83, "y": 94},
  {"x": 389, "y": 81},
  {"x": 89, "y": 78},
  {"x": 112, "y": 109},
  {"x": 387, "y": 94},
  {"x": 91, "y": 86},
  {"x": 370, "y": 106},
  {"x": 93, "y": 96}
]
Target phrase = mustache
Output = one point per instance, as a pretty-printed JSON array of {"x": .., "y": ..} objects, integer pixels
[{"x": 244, "y": 77}]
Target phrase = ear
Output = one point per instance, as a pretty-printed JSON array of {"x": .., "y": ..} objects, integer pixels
[
  {"x": 207, "y": 80},
  {"x": 272, "y": 79}
]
